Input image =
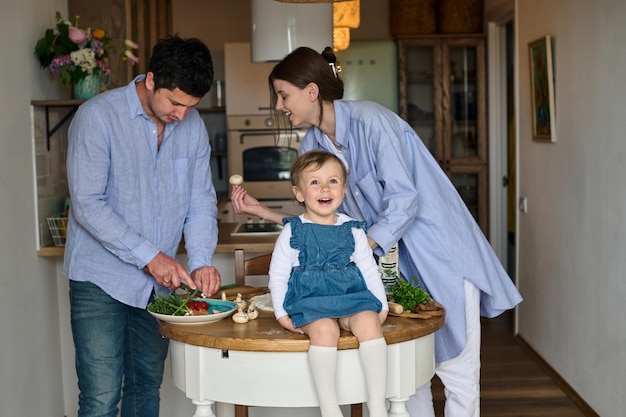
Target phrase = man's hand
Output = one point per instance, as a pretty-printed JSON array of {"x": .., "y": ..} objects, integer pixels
[
  {"x": 168, "y": 272},
  {"x": 207, "y": 279}
]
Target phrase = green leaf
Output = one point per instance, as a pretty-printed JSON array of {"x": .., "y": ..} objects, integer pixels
[{"x": 408, "y": 295}]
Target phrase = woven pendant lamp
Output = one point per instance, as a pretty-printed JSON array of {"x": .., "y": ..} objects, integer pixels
[
  {"x": 311, "y": 1},
  {"x": 346, "y": 16}
]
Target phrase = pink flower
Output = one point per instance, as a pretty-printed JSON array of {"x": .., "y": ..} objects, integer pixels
[{"x": 77, "y": 36}]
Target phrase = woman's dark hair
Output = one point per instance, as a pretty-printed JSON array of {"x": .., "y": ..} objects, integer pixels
[
  {"x": 316, "y": 159},
  {"x": 185, "y": 64},
  {"x": 303, "y": 66}
]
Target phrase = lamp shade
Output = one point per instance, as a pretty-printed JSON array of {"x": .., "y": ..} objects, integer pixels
[
  {"x": 311, "y": 1},
  {"x": 347, "y": 14},
  {"x": 341, "y": 39},
  {"x": 279, "y": 27}
]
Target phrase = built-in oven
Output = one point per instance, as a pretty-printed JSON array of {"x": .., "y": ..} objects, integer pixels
[{"x": 262, "y": 156}]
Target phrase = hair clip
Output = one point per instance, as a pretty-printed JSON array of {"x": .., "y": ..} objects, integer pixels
[{"x": 336, "y": 69}]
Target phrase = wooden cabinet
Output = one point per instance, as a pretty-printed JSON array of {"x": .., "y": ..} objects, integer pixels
[{"x": 442, "y": 96}]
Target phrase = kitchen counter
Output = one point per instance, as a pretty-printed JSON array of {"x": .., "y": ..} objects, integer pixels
[{"x": 262, "y": 243}]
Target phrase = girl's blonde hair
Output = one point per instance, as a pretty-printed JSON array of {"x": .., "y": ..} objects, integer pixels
[{"x": 316, "y": 159}]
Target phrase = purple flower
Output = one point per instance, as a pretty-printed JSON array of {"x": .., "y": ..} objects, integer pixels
[{"x": 57, "y": 63}]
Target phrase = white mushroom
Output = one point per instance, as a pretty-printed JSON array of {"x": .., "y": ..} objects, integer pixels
[
  {"x": 236, "y": 179},
  {"x": 253, "y": 313},
  {"x": 240, "y": 316}
]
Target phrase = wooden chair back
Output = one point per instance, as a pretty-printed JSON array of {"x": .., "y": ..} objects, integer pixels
[{"x": 259, "y": 265}]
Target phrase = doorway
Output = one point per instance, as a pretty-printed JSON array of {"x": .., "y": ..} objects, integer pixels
[{"x": 502, "y": 142}]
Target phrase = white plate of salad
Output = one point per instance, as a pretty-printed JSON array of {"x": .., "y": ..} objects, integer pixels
[{"x": 173, "y": 308}]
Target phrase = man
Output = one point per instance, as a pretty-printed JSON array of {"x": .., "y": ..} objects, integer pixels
[{"x": 139, "y": 177}]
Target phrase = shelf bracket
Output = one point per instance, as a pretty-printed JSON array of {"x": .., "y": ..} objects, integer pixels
[{"x": 50, "y": 132}]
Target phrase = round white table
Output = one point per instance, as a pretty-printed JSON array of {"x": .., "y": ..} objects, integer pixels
[{"x": 261, "y": 364}]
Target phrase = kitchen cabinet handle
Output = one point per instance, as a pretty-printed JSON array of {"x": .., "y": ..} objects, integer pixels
[{"x": 244, "y": 135}]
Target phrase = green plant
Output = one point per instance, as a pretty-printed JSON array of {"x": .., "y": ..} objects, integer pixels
[
  {"x": 75, "y": 53},
  {"x": 408, "y": 295},
  {"x": 171, "y": 304}
]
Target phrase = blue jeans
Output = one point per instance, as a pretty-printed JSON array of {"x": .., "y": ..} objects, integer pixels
[{"x": 120, "y": 354}]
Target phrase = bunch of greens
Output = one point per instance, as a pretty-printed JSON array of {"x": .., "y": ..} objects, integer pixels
[
  {"x": 408, "y": 295},
  {"x": 171, "y": 304}
]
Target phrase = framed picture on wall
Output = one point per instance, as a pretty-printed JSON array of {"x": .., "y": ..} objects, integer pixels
[{"x": 542, "y": 90}]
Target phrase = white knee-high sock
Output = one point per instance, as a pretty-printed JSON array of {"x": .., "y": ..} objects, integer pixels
[
  {"x": 323, "y": 364},
  {"x": 373, "y": 354}
]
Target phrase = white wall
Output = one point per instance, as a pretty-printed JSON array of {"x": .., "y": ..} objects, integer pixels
[
  {"x": 30, "y": 366},
  {"x": 573, "y": 238}
]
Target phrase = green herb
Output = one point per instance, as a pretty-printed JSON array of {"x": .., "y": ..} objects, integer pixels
[
  {"x": 408, "y": 295},
  {"x": 171, "y": 304}
]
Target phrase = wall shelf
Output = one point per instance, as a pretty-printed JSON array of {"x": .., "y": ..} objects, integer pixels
[{"x": 47, "y": 104}]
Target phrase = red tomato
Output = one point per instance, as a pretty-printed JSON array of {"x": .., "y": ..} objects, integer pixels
[{"x": 202, "y": 305}]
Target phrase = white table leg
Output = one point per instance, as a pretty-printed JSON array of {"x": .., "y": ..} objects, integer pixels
[
  {"x": 203, "y": 408},
  {"x": 224, "y": 410},
  {"x": 398, "y": 407}
]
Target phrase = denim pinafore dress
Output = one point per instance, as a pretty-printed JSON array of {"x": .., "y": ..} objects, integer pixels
[{"x": 326, "y": 284}]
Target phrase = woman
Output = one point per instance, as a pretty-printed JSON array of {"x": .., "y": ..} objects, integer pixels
[{"x": 399, "y": 190}]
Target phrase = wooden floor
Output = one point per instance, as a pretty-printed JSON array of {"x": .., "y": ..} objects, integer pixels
[{"x": 513, "y": 383}]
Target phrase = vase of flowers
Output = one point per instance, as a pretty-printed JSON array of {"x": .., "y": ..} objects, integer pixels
[{"x": 80, "y": 56}]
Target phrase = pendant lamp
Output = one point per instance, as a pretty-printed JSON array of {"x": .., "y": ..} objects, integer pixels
[
  {"x": 311, "y": 1},
  {"x": 346, "y": 16}
]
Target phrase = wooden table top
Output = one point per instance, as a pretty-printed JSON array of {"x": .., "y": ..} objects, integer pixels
[{"x": 265, "y": 334}]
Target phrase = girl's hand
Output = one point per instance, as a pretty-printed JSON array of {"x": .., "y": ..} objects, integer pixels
[
  {"x": 286, "y": 322},
  {"x": 382, "y": 316}
]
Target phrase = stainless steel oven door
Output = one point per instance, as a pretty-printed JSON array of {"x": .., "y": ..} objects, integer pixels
[{"x": 263, "y": 159}]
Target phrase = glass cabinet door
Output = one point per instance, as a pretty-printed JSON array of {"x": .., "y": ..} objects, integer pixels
[
  {"x": 422, "y": 90},
  {"x": 471, "y": 183},
  {"x": 464, "y": 72},
  {"x": 463, "y": 102},
  {"x": 442, "y": 96}
]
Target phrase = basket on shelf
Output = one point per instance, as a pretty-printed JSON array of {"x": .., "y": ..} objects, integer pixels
[
  {"x": 58, "y": 227},
  {"x": 460, "y": 16},
  {"x": 412, "y": 17}
]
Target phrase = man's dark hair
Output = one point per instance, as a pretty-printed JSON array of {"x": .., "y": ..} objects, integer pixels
[{"x": 182, "y": 63}]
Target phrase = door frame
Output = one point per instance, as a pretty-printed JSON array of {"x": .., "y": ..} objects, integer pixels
[{"x": 497, "y": 127}]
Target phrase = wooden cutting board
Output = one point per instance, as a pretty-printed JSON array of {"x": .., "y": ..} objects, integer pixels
[
  {"x": 246, "y": 291},
  {"x": 434, "y": 310}
]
